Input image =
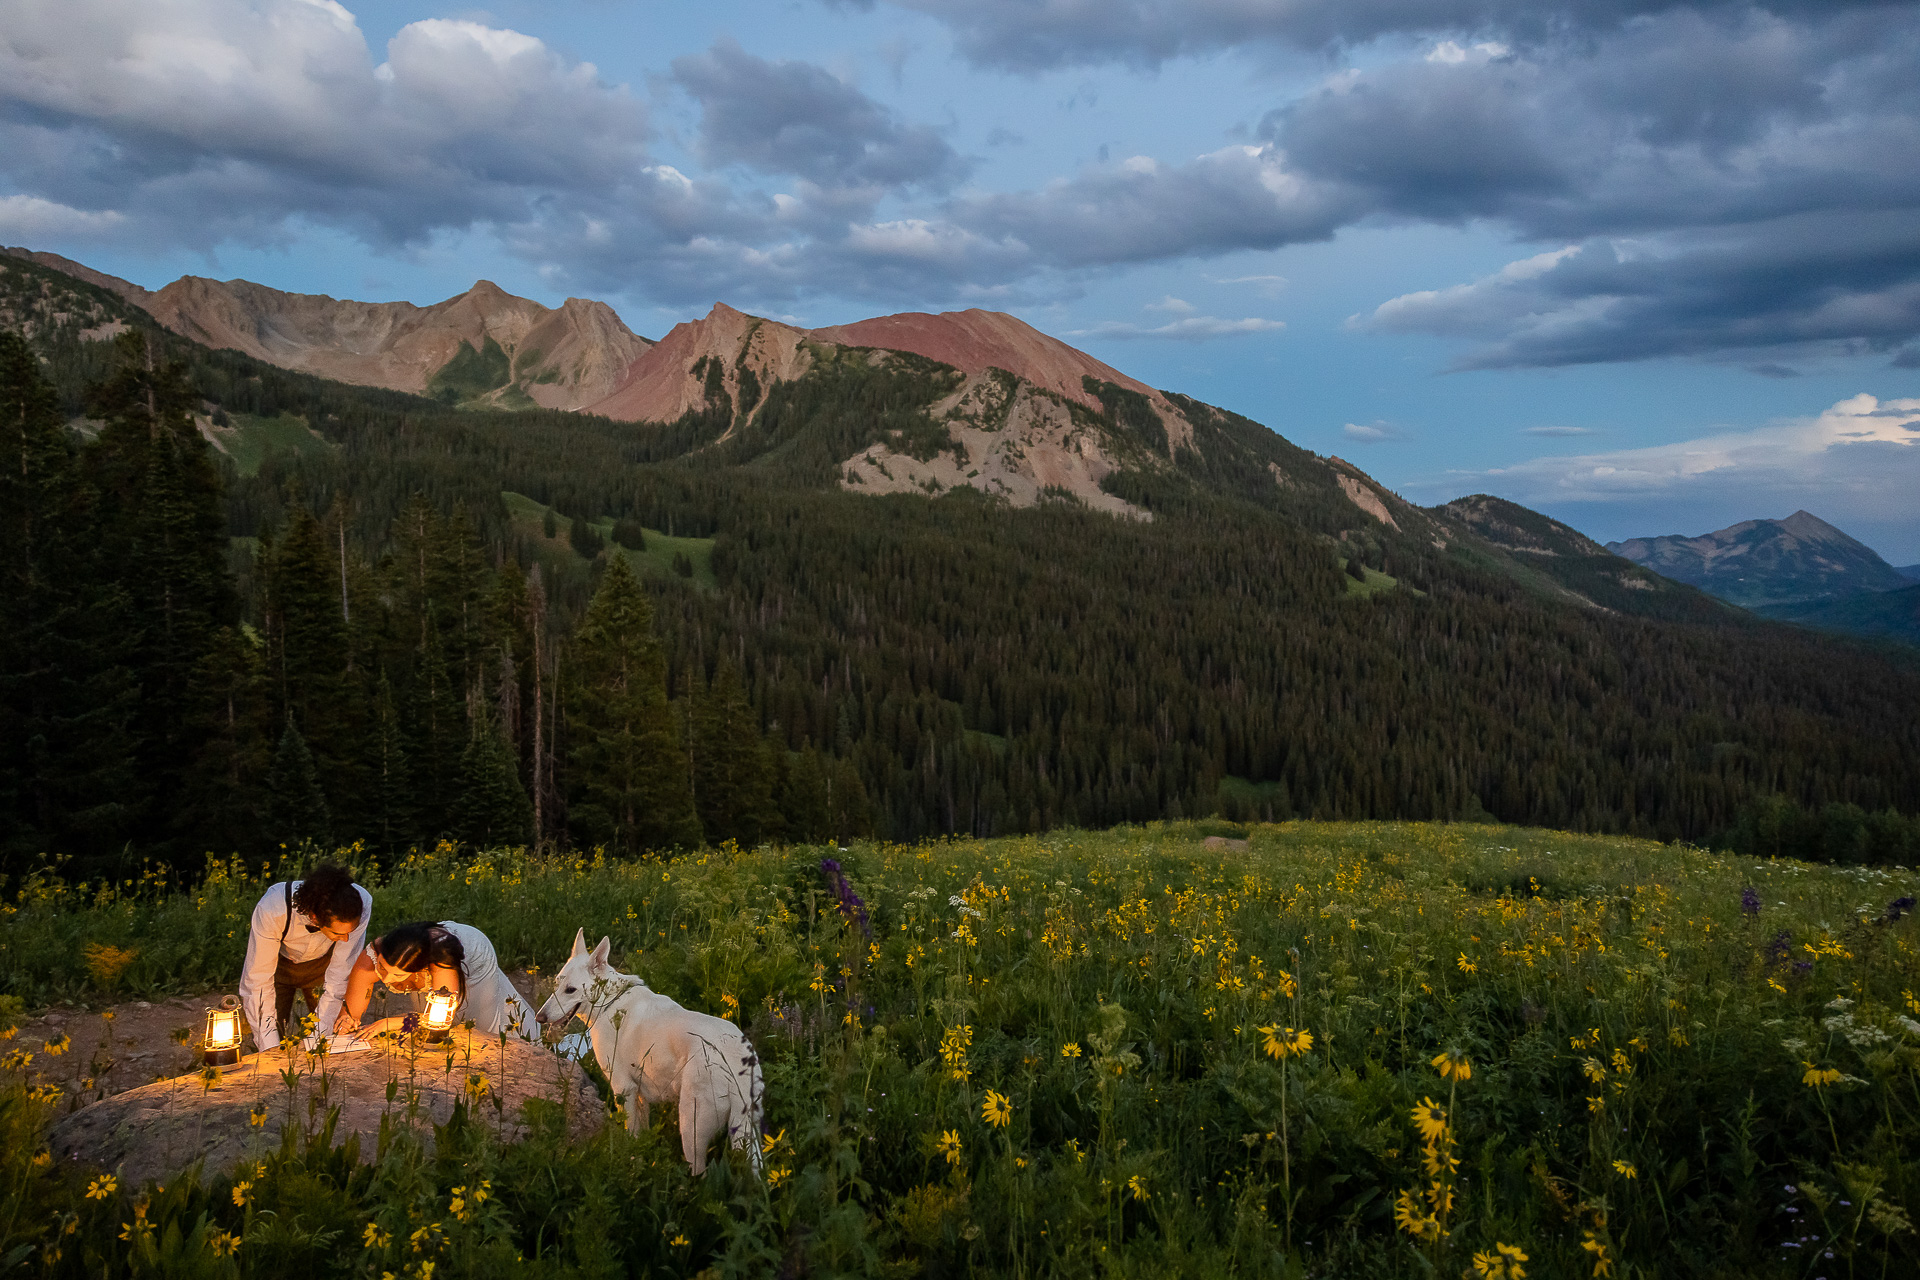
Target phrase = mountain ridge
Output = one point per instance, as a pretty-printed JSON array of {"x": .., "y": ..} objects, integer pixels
[{"x": 1764, "y": 562}]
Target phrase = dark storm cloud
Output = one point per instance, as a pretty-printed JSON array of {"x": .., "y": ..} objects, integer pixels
[
  {"x": 1727, "y": 186},
  {"x": 796, "y": 118}
]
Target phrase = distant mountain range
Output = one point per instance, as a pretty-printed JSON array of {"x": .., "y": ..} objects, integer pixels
[
  {"x": 897, "y": 529},
  {"x": 1760, "y": 563}
]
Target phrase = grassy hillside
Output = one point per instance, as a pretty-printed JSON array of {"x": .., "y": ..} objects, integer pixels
[
  {"x": 656, "y": 560},
  {"x": 1247, "y": 1060}
]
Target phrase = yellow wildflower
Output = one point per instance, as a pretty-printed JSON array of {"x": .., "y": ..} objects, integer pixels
[
  {"x": 1502, "y": 1264},
  {"x": 242, "y": 1193},
  {"x": 1071, "y": 1049},
  {"x": 1452, "y": 1065},
  {"x": 997, "y": 1110},
  {"x": 1138, "y": 1186},
  {"x": 1430, "y": 1118},
  {"x": 1285, "y": 1042},
  {"x": 1819, "y": 1077},
  {"x": 1625, "y": 1169},
  {"x": 949, "y": 1146},
  {"x": 1602, "y": 1264},
  {"x": 102, "y": 1187}
]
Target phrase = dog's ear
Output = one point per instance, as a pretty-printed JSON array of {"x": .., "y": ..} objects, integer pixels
[
  {"x": 600, "y": 953},
  {"x": 579, "y": 944}
]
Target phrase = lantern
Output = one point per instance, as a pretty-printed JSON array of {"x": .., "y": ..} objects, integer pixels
[
  {"x": 220, "y": 1047},
  {"x": 439, "y": 1019}
]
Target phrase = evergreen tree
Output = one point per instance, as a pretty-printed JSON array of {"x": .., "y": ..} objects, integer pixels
[
  {"x": 225, "y": 803},
  {"x": 804, "y": 800},
  {"x": 492, "y": 808},
  {"x": 162, "y": 520},
  {"x": 627, "y": 768},
  {"x": 68, "y": 769},
  {"x": 732, "y": 792},
  {"x": 308, "y": 655},
  {"x": 390, "y": 812},
  {"x": 299, "y": 810}
]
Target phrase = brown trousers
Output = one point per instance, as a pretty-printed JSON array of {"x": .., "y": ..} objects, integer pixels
[{"x": 303, "y": 977}]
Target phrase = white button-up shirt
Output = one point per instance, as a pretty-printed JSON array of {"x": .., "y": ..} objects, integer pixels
[{"x": 304, "y": 941}]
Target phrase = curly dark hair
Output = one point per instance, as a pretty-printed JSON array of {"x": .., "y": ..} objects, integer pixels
[
  {"x": 413, "y": 947},
  {"x": 329, "y": 894}
]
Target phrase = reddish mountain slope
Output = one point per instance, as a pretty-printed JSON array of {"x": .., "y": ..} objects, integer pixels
[
  {"x": 974, "y": 341},
  {"x": 562, "y": 358}
]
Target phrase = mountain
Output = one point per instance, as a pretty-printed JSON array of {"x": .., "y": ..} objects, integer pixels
[
  {"x": 483, "y": 347},
  {"x": 1542, "y": 548},
  {"x": 1767, "y": 562},
  {"x": 1266, "y": 632},
  {"x": 1909, "y": 571}
]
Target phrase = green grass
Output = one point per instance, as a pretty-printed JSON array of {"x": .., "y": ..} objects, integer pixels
[
  {"x": 1376, "y": 582},
  {"x": 251, "y": 439},
  {"x": 1646, "y": 1061},
  {"x": 654, "y": 561}
]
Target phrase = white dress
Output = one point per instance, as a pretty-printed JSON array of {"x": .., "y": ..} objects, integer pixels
[{"x": 492, "y": 1004}]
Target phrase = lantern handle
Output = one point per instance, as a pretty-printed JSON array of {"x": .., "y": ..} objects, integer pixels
[{"x": 229, "y": 1001}]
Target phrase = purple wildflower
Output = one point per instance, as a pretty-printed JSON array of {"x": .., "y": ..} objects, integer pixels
[
  {"x": 1781, "y": 947},
  {"x": 1899, "y": 907},
  {"x": 1749, "y": 902},
  {"x": 850, "y": 904},
  {"x": 410, "y": 1023}
]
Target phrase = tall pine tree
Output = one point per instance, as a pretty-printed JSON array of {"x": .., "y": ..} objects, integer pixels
[
  {"x": 627, "y": 768},
  {"x": 69, "y": 776}
]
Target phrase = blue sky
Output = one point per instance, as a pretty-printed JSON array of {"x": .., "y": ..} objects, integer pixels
[{"x": 1630, "y": 262}]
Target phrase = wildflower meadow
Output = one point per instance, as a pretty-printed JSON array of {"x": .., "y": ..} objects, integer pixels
[{"x": 1289, "y": 1050}]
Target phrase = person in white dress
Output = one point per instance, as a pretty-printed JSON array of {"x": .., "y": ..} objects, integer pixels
[{"x": 436, "y": 956}]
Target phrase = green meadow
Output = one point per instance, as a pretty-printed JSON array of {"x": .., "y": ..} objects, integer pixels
[{"x": 1295, "y": 1049}]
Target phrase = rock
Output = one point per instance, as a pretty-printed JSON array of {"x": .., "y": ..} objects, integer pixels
[
  {"x": 159, "y": 1129},
  {"x": 1222, "y": 842}
]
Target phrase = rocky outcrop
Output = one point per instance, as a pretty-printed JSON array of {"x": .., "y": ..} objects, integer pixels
[
  {"x": 1011, "y": 441},
  {"x": 159, "y": 1129}
]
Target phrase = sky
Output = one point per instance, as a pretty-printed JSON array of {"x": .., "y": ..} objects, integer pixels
[{"x": 1647, "y": 267}]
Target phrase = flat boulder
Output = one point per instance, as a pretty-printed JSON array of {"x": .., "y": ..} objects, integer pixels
[{"x": 160, "y": 1129}]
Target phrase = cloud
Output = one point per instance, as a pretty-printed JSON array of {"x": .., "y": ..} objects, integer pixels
[
  {"x": 1804, "y": 285},
  {"x": 200, "y": 121},
  {"x": 1034, "y": 35},
  {"x": 1179, "y": 306},
  {"x": 1861, "y": 456},
  {"x": 1185, "y": 329},
  {"x": 796, "y": 118},
  {"x": 1371, "y": 432},
  {"x": 1140, "y": 210},
  {"x": 1266, "y": 286},
  {"x": 1556, "y": 431}
]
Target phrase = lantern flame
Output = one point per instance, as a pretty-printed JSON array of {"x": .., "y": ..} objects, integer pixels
[
  {"x": 223, "y": 1029},
  {"x": 220, "y": 1046},
  {"x": 440, "y": 1006}
]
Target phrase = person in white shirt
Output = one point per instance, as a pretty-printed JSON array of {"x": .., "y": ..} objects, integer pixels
[
  {"x": 428, "y": 956},
  {"x": 304, "y": 938}
]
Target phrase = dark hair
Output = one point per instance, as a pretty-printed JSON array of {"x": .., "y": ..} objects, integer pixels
[
  {"x": 421, "y": 945},
  {"x": 328, "y": 893}
]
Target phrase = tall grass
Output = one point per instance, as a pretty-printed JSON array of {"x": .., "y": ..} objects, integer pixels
[{"x": 1347, "y": 1049}]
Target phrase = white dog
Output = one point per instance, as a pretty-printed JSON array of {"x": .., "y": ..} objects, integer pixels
[{"x": 655, "y": 1051}]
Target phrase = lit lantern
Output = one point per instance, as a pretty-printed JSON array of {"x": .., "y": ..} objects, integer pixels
[
  {"x": 439, "y": 1019},
  {"x": 220, "y": 1047}
]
